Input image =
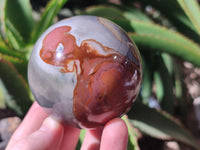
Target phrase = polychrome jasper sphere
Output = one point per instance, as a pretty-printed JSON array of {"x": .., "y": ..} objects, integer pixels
[{"x": 85, "y": 71}]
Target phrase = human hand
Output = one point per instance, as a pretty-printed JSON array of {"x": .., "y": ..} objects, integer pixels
[{"x": 40, "y": 132}]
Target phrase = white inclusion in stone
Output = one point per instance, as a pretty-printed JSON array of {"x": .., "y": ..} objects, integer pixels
[
  {"x": 133, "y": 79},
  {"x": 59, "y": 50}
]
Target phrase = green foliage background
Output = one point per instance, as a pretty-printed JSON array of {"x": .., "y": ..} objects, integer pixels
[{"x": 164, "y": 41}]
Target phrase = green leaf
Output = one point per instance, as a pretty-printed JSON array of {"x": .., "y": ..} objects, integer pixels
[
  {"x": 159, "y": 125},
  {"x": 178, "y": 80},
  {"x": 46, "y": 20},
  {"x": 81, "y": 138},
  {"x": 157, "y": 30},
  {"x": 16, "y": 22},
  {"x": 9, "y": 51},
  {"x": 155, "y": 37},
  {"x": 164, "y": 85},
  {"x": 175, "y": 15},
  {"x": 19, "y": 12},
  {"x": 146, "y": 82},
  {"x": 17, "y": 58},
  {"x": 115, "y": 12},
  {"x": 2, "y": 96},
  {"x": 12, "y": 59},
  {"x": 159, "y": 86},
  {"x": 16, "y": 87},
  {"x": 159, "y": 43},
  {"x": 132, "y": 13},
  {"x": 192, "y": 9},
  {"x": 13, "y": 36},
  {"x": 108, "y": 12},
  {"x": 133, "y": 139}
]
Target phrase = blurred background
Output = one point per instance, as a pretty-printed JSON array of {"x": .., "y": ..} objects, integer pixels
[{"x": 166, "y": 114}]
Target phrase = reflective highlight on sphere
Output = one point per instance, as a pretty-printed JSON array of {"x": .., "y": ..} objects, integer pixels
[{"x": 84, "y": 71}]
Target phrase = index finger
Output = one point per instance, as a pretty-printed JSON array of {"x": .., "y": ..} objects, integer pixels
[{"x": 32, "y": 122}]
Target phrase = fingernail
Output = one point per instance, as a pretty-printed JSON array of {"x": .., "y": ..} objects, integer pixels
[{"x": 49, "y": 124}]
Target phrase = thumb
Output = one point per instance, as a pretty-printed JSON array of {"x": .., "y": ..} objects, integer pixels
[{"x": 49, "y": 136}]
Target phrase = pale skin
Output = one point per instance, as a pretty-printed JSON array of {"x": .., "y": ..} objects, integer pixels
[{"x": 38, "y": 131}]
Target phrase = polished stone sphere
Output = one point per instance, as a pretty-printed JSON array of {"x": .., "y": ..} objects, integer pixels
[{"x": 85, "y": 71}]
